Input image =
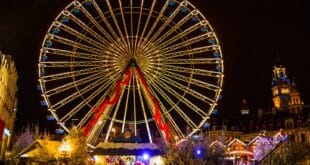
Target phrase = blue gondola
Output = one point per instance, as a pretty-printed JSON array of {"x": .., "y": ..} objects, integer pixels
[
  {"x": 65, "y": 20},
  {"x": 171, "y": 3},
  {"x": 55, "y": 31},
  {"x": 206, "y": 125},
  {"x": 218, "y": 68},
  {"x": 48, "y": 44},
  {"x": 216, "y": 54},
  {"x": 39, "y": 88},
  {"x": 183, "y": 10},
  {"x": 195, "y": 19},
  {"x": 220, "y": 97},
  {"x": 211, "y": 41},
  {"x": 44, "y": 58},
  {"x": 60, "y": 131},
  {"x": 204, "y": 29},
  {"x": 88, "y": 3},
  {"x": 214, "y": 112},
  {"x": 43, "y": 103},
  {"x": 50, "y": 117},
  {"x": 75, "y": 11}
]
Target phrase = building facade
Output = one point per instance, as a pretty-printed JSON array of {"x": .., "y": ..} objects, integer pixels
[
  {"x": 8, "y": 100},
  {"x": 287, "y": 114}
]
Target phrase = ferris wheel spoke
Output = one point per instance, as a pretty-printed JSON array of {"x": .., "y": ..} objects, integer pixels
[
  {"x": 70, "y": 64},
  {"x": 124, "y": 25},
  {"x": 94, "y": 22},
  {"x": 75, "y": 44},
  {"x": 193, "y": 61},
  {"x": 144, "y": 112},
  {"x": 126, "y": 106},
  {"x": 158, "y": 18},
  {"x": 165, "y": 24},
  {"x": 188, "y": 42},
  {"x": 179, "y": 36},
  {"x": 188, "y": 103},
  {"x": 184, "y": 100},
  {"x": 188, "y": 90},
  {"x": 104, "y": 19},
  {"x": 114, "y": 115},
  {"x": 134, "y": 102},
  {"x": 70, "y": 74},
  {"x": 116, "y": 24},
  {"x": 86, "y": 101},
  {"x": 193, "y": 81},
  {"x": 174, "y": 105},
  {"x": 167, "y": 115},
  {"x": 72, "y": 84},
  {"x": 173, "y": 29},
  {"x": 191, "y": 52},
  {"x": 73, "y": 54},
  {"x": 106, "y": 86},
  {"x": 201, "y": 72},
  {"x": 80, "y": 35},
  {"x": 147, "y": 22},
  {"x": 97, "y": 128},
  {"x": 77, "y": 94},
  {"x": 134, "y": 42},
  {"x": 84, "y": 26}
]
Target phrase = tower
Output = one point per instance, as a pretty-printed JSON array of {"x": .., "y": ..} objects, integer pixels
[
  {"x": 281, "y": 87},
  {"x": 295, "y": 104}
]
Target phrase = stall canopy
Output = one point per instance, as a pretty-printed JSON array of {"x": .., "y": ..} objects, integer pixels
[{"x": 127, "y": 149}]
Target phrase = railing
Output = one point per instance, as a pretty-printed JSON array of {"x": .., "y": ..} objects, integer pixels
[{"x": 290, "y": 151}]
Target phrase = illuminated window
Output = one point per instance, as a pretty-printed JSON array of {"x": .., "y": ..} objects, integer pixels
[
  {"x": 285, "y": 91},
  {"x": 275, "y": 92}
]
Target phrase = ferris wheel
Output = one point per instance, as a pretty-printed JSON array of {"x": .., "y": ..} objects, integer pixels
[{"x": 153, "y": 66}]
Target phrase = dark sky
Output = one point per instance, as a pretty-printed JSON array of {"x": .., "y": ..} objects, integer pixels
[{"x": 251, "y": 33}]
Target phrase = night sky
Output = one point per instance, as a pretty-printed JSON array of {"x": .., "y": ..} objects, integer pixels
[{"x": 252, "y": 33}]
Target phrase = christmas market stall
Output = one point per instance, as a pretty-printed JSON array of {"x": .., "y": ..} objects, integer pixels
[{"x": 127, "y": 153}]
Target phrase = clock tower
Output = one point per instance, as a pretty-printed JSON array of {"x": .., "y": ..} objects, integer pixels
[{"x": 281, "y": 88}]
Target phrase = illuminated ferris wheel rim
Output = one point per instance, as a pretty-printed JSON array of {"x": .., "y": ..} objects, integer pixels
[{"x": 124, "y": 50}]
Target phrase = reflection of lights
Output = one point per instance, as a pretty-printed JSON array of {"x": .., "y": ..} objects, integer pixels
[
  {"x": 65, "y": 148},
  {"x": 113, "y": 130},
  {"x": 146, "y": 156},
  {"x": 97, "y": 159},
  {"x": 157, "y": 160},
  {"x": 7, "y": 132},
  {"x": 24, "y": 155},
  {"x": 176, "y": 137},
  {"x": 198, "y": 152}
]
